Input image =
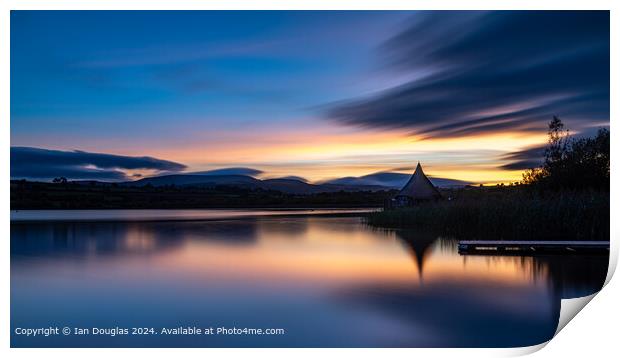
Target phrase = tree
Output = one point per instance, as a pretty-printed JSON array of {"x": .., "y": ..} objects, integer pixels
[
  {"x": 558, "y": 142},
  {"x": 60, "y": 180},
  {"x": 572, "y": 163}
]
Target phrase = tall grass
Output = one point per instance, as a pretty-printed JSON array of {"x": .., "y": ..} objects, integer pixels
[{"x": 508, "y": 215}]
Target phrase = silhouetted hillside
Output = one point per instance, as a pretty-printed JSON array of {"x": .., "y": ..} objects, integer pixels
[
  {"x": 95, "y": 195},
  {"x": 285, "y": 185}
]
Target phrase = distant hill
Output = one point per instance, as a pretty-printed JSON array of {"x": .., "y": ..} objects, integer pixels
[
  {"x": 285, "y": 185},
  {"x": 392, "y": 180},
  {"x": 196, "y": 180},
  {"x": 449, "y": 183},
  {"x": 242, "y": 178}
]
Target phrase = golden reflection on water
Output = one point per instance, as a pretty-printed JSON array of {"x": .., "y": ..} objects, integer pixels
[
  {"x": 345, "y": 282},
  {"x": 327, "y": 252},
  {"x": 138, "y": 239},
  {"x": 444, "y": 264}
]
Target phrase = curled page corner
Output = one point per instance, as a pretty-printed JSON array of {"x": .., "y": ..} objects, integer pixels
[
  {"x": 523, "y": 351},
  {"x": 613, "y": 260},
  {"x": 569, "y": 309}
]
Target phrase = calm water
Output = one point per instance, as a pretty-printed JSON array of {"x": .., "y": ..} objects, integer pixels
[
  {"x": 327, "y": 281},
  {"x": 166, "y": 215}
]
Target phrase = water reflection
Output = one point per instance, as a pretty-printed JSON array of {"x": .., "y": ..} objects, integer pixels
[
  {"x": 570, "y": 276},
  {"x": 481, "y": 300},
  {"x": 327, "y": 281}
]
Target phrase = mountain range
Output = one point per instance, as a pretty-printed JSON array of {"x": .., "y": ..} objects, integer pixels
[
  {"x": 285, "y": 185},
  {"x": 291, "y": 185},
  {"x": 393, "y": 180}
]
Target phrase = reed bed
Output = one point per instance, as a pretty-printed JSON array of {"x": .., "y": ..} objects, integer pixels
[{"x": 508, "y": 215}]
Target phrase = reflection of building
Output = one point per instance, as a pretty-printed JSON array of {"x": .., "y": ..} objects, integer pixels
[
  {"x": 418, "y": 244},
  {"x": 419, "y": 188}
]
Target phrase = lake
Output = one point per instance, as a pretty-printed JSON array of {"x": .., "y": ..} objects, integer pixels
[{"x": 314, "y": 278}]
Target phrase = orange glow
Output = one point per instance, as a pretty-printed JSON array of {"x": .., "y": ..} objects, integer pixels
[
  {"x": 327, "y": 256},
  {"x": 320, "y": 154},
  {"x": 325, "y": 151},
  {"x": 516, "y": 270}
]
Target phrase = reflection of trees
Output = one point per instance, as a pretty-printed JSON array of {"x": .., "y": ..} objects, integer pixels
[
  {"x": 84, "y": 239},
  {"x": 576, "y": 276},
  {"x": 569, "y": 276},
  {"x": 283, "y": 227},
  {"x": 465, "y": 312},
  {"x": 241, "y": 231}
]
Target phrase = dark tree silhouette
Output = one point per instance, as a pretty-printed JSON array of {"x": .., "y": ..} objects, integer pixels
[
  {"x": 60, "y": 180},
  {"x": 572, "y": 163}
]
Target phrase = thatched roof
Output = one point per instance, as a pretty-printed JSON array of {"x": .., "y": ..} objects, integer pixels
[{"x": 419, "y": 187}]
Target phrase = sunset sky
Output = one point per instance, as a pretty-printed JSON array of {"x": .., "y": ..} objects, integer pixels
[{"x": 318, "y": 95}]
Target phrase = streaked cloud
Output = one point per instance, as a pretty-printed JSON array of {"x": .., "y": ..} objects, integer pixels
[
  {"x": 37, "y": 163},
  {"x": 466, "y": 93},
  {"x": 524, "y": 159},
  {"x": 490, "y": 72},
  {"x": 231, "y": 171}
]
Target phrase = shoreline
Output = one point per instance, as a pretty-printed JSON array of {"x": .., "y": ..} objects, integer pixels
[{"x": 167, "y": 215}]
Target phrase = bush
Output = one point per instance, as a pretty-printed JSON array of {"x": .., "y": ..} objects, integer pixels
[
  {"x": 572, "y": 163},
  {"x": 510, "y": 214}
]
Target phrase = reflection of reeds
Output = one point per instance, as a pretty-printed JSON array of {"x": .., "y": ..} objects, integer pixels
[
  {"x": 529, "y": 268},
  {"x": 567, "y": 276},
  {"x": 513, "y": 215}
]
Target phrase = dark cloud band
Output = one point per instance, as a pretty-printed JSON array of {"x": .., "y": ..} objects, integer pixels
[
  {"x": 37, "y": 163},
  {"x": 491, "y": 71},
  {"x": 524, "y": 159},
  {"x": 231, "y": 171}
]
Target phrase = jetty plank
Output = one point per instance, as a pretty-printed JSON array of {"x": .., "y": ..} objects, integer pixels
[{"x": 484, "y": 247}]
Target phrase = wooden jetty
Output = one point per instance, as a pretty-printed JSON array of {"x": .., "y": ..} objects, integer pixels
[{"x": 482, "y": 247}]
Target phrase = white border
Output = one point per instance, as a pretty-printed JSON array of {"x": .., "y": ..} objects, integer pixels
[{"x": 595, "y": 329}]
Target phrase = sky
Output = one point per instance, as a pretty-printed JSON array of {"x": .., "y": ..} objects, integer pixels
[{"x": 113, "y": 95}]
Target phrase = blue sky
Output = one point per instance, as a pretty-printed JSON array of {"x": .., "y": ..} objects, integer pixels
[
  {"x": 148, "y": 66},
  {"x": 315, "y": 94}
]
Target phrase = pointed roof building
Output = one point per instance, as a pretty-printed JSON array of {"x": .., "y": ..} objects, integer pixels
[{"x": 419, "y": 187}]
